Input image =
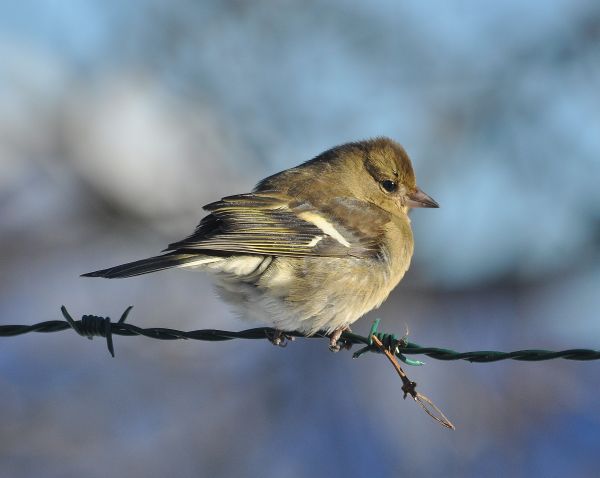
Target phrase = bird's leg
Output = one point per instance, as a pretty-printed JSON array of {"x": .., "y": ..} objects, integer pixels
[
  {"x": 279, "y": 338},
  {"x": 334, "y": 338}
]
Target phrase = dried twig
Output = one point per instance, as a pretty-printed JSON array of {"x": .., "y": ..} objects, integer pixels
[{"x": 409, "y": 388}]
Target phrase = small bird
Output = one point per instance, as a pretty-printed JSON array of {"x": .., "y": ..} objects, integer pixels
[{"x": 310, "y": 249}]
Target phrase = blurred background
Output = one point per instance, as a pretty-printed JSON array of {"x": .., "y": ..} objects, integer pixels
[{"x": 119, "y": 120}]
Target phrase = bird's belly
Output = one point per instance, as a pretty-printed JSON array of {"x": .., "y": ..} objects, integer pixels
[{"x": 308, "y": 294}]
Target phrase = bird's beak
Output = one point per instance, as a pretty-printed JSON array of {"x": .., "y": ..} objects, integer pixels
[{"x": 418, "y": 198}]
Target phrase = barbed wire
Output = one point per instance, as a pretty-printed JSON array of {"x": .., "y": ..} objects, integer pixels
[{"x": 95, "y": 326}]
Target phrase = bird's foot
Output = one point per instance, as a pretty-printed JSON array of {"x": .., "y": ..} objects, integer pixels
[
  {"x": 335, "y": 345},
  {"x": 279, "y": 338}
]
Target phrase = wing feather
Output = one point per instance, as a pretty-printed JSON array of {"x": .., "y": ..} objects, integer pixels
[{"x": 271, "y": 224}]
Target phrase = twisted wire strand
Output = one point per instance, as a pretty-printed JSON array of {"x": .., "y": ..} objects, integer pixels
[{"x": 94, "y": 326}]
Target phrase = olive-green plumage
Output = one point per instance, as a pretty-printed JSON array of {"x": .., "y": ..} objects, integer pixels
[{"x": 313, "y": 247}]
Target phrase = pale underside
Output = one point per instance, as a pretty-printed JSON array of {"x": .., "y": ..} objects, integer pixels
[{"x": 283, "y": 294}]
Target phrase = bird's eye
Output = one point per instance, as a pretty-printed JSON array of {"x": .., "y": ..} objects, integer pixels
[{"x": 389, "y": 185}]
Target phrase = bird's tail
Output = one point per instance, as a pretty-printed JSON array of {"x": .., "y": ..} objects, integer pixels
[{"x": 152, "y": 264}]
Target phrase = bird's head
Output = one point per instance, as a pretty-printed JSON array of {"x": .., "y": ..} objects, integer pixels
[
  {"x": 377, "y": 171},
  {"x": 388, "y": 179}
]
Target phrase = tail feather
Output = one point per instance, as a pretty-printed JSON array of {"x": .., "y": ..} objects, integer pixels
[{"x": 152, "y": 264}]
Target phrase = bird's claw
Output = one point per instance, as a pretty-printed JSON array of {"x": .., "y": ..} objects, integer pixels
[
  {"x": 335, "y": 344},
  {"x": 280, "y": 338}
]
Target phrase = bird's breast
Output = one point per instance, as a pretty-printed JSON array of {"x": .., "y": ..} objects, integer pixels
[{"x": 397, "y": 248}]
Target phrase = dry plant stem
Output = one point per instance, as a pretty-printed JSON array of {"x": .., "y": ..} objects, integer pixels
[{"x": 409, "y": 388}]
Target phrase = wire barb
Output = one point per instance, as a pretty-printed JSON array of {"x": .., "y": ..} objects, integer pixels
[
  {"x": 390, "y": 342},
  {"x": 91, "y": 326}
]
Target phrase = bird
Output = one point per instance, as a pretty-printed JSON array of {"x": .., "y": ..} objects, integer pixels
[{"x": 312, "y": 248}]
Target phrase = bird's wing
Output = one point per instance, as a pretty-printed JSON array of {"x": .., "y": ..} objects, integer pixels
[{"x": 276, "y": 224}]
